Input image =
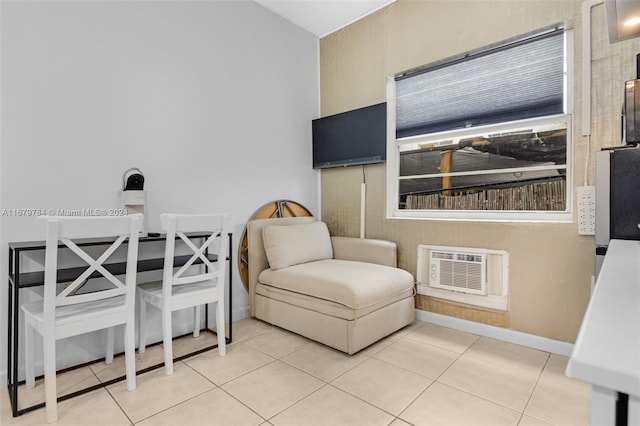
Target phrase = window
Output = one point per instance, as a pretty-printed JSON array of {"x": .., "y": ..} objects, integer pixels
[{"x": 486, "y": 136}]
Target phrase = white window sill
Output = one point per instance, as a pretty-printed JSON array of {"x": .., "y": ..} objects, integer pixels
[{"x": 484, "y": 216}]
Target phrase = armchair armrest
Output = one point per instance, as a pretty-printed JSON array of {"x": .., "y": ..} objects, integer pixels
[{"x": 365, "y": 250}]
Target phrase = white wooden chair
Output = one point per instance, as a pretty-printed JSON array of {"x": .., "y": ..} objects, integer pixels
[
  {"x": 183, "y": 289},
  {"x": 71, "y": 312}
]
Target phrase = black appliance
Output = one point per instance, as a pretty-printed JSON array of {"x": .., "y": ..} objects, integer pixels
[
  {"x": 617, "y": 197},
  {"x": 351, "y": 138}
]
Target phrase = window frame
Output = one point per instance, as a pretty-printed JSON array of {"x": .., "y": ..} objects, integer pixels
[{"x": 393, "y": 157}]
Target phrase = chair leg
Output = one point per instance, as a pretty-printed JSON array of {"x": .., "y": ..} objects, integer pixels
[
  {"x": 108, "y": 357},
  {"x": 50, "y": 393},
  {"x": 196, "y": 321},
  {"x": 142, "y": 326},
  {"x": 129, "y": 354},
  {"x": 29, "y": 343},
  {"x": 220, "y": 329},
  {"x": 167, "y": 340}
]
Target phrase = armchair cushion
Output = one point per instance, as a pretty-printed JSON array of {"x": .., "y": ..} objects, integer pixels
[
  {"x": 295, "y": 244},
  {"x": 356, "y": 285}
]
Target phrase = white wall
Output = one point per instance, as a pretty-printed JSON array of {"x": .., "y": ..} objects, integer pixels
[{"x": 213, "y": 101}]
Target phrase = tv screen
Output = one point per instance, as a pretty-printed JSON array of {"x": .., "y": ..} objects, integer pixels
[{"x": 351, "y": 138}]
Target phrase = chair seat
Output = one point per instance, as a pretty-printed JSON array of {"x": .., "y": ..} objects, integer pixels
[
  {"x": 77, "y": 312},
  {"x": 152, "y": 291}
]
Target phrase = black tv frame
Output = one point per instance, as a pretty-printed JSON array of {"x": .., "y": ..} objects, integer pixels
[{"x": 351, "y": 138}]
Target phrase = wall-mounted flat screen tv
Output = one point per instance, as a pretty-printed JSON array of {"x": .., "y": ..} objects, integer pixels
[{"x": 351, "y": 138}]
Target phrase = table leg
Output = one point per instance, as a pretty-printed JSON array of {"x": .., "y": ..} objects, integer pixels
[
  {"x": 13, "y": 331},
  {"x": 230, "y": 305},
  {"x": 622, "y": 409}
]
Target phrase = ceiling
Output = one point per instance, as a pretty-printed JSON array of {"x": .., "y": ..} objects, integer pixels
[
  {"x": 322, "y": 17},
  {"x": 623, "y": 19}
]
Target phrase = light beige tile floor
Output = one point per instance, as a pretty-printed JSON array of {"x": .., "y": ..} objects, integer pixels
[{"x": 422, "y": 375}]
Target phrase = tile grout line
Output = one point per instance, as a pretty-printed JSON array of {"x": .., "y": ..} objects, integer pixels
[
  {"x": 497, "y": 403},
  {"x": 274, "y": 359},
  {"x": 366, "y": 402},
  {"x": 131, "y": 422},
  {"x": 369, "y": 357},
  {"x": 521, "y": 414},
  {"x": 242, "y": 403},
  {"x": 324, "y": 382},
  {"x": 459, "y": 355},
  {"x": 330, "y": 382},
  {"x": 534, "y": 388},
  {"x": 242, "y": 375},
  {"x": 484, "y": 398},
  {"x": 374, "y": 355},
  {"x": 195, "y": 396},
  {"x": 167, "y": 407},
  {"x": 229, "y": 381},
  {"x": 280, "y": 359}
]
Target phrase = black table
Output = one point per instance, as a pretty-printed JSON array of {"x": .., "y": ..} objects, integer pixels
[{"x": 20, "y": 280}]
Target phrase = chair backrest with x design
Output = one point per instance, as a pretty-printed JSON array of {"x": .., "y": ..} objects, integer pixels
[
  {"x": 61, "y": 231},
  {"x": 177, "y": 226}
]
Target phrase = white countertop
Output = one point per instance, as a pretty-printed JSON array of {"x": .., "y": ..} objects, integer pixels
[{"x": 607, "y": 351}]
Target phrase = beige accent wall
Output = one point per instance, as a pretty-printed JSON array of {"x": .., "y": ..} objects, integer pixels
[{"x": 550, "y": 264}]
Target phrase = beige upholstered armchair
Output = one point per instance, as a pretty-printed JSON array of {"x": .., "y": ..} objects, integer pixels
[{"x": 346, "y": 293}]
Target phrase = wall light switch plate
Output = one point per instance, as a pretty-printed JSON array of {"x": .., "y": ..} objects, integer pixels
[{"x": 586, "y": 196}]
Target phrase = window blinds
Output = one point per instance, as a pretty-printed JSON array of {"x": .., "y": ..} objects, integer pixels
[{"x": 517, "y": 81}]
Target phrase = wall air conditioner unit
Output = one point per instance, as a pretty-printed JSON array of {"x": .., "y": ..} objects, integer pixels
[
  {"x": 464, "y": 271},
  {"x": 472, "y": 276}
]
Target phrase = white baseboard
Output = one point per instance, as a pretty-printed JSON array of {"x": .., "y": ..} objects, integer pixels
[{"x": 517, "y": 337}]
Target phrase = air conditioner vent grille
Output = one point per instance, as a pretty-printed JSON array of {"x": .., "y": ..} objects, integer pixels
[{"x": 465, "y": 272}]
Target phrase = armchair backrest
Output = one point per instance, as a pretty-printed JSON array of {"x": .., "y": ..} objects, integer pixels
[
  {"x": 368, "y": 250},
  {"x": 257, "y": 257}
]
